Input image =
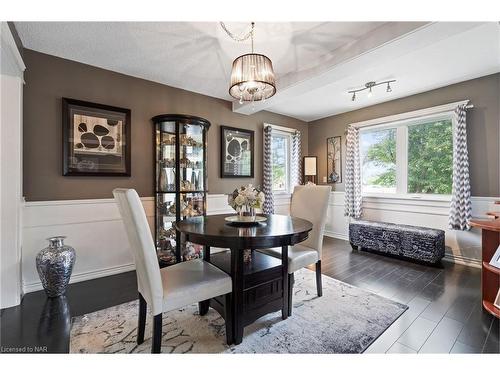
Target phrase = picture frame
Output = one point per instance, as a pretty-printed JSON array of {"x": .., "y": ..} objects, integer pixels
[
  {"x": 236, "y": 152},
  {"x": 334, "y": 160},
  {"x": 96, "y": 139},
  {"x": 496, "y": 302},
  {"x": 495, "y": 259}
]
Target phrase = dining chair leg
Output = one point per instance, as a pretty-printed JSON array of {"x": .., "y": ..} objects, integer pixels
[
  {"x": 203, "y": 307},
  {"x": 291, "y": 281},
  {"x": 141, "y": 324},
  {"x": 157, "y": 323},
  {"x": 319, "y": 284},
  {"x": 228, "y": 316}
]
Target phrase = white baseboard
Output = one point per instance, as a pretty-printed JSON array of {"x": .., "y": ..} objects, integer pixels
[
  {"x": 84, "y": 276},
  {"x": 340, "y": 236}
]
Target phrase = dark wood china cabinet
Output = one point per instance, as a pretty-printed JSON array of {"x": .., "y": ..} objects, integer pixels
[{"x": 180, "y": 182}]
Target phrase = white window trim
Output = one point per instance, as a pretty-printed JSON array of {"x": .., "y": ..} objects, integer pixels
[
  {"x": 396, "y": 121},
  {"x": 421, "y": 113},
  {"x": 276, "y": 129}
]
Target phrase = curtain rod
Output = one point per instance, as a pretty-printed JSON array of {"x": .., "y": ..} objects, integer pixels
[
  {"x": 282, "y": 128},
  {"x": 412, "y": 114}
]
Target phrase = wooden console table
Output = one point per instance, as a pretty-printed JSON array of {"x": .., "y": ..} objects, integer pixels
[{"x": 490, "y": 276}]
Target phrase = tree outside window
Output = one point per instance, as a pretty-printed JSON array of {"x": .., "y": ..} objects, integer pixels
[
  {"x": 428, "y": 149},
  {"x": 279, "y": 151}
]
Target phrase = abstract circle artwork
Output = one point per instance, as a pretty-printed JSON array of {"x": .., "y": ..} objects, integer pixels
[
  {"x": 96, "y": 139},
  {"x": 90, "y": 140},
  {"x": 237, "y": 152},
  {"x": 97, "y": 135}
]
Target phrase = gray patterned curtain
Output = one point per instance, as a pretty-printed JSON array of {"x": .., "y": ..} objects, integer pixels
[
  {"x": 353, "y": 199},
  {"x": 461, "y": 209},
  {"x": 296, "y": 165},
  {"x": 267, "y": 185}
]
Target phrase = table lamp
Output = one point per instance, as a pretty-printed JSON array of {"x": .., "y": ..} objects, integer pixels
[{"x": 310, "y": 168}]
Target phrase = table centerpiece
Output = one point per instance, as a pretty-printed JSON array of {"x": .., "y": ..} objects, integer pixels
[{"x": 245, "y": 200}]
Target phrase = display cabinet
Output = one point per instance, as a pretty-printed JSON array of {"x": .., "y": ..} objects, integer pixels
[{"x": 180, "y": 182}]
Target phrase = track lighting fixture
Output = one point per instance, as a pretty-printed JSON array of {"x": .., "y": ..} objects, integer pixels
[{"x": 369, "y": 86}]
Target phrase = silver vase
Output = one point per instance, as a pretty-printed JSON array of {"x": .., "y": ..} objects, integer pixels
[{"x": 54, "y": 265}]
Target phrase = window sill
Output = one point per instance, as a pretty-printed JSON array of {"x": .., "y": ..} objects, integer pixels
[
  {"x": 280, "y": 193},
  {"x": 410, "y": 197}
]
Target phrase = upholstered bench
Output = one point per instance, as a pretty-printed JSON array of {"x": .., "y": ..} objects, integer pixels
[{"x": 407, "y": 241}]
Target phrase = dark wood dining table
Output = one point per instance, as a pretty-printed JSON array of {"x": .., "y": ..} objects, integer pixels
[{"x": 260, "y": 283}]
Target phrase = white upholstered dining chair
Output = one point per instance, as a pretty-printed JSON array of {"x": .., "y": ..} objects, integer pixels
[
  {"x": 172, "y": 287},
  {"x": 309, "y": 202}
]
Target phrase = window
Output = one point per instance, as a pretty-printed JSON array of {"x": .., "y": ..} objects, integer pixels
[
  {"x": 280, "y": 151},
  {"x": 408, "y": 157},
  {"x": 378, "y": 161},
  {"x": 430, "y": 157}
]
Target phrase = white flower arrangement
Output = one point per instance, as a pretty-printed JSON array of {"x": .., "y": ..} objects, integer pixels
[{"x": 246, "y": 198}]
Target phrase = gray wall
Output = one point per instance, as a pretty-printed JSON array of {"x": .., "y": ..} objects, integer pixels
[
  {"x": 50, "y": 78},
  {"x": 483, "y": 128}
]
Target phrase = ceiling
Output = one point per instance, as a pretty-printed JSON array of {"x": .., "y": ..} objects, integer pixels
[
  {"x": 434, "y": 56},
  {"x": 315, "y": 62}
]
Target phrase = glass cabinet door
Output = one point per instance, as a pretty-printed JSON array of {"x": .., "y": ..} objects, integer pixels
[
  {"x": 165, "y": 203},
  {"x": 192, "y": 175},
  {"x": 191, "y": 161},
  {"x": 165, "y": 157},
  {"x": 165, "y": 232}
]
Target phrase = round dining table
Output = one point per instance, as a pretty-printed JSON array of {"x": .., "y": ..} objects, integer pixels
[{"x": 260, "y": 287}]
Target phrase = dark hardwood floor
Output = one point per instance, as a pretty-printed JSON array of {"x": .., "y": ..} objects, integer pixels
[
  {"x": 41, "y": 324},
  {"x": 444, "y": 316}
]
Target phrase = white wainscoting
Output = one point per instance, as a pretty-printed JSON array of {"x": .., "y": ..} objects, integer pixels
[
  {"x": 94, "y": 228},
  {"x": 461, "y": 247}
]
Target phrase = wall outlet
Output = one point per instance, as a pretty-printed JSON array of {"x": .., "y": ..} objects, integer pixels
[{"x": 324, "y": 179}]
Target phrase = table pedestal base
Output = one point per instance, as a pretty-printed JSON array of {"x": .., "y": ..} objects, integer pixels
[{"x": 262, "y": 290}]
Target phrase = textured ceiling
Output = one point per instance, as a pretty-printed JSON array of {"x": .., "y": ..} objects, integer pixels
[
  {"x": 436, "y": 56},
  {"x": 195, "y": 56},
  {"x": 316, "y": 63}
]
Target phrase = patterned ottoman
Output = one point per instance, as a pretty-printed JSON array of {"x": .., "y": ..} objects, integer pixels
[{"x": 422, "y": 244}]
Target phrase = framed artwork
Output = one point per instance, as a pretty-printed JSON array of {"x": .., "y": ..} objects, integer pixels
[
  {"x": 495, "y": 259},
  {"x": 496, "y": 302},
  {"x": 334, "y": 159},
  {"x": 237, "y": 152},
  {"x": 96, "y": 139}
]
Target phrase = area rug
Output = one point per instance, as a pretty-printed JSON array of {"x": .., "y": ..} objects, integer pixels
[{"x": 346, "y": 319}]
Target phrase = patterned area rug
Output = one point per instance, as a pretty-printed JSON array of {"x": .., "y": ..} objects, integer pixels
[{"x": 345, "y": 319}]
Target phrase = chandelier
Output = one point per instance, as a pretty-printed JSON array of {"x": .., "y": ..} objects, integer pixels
[{"x": 252, "y": 74}]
